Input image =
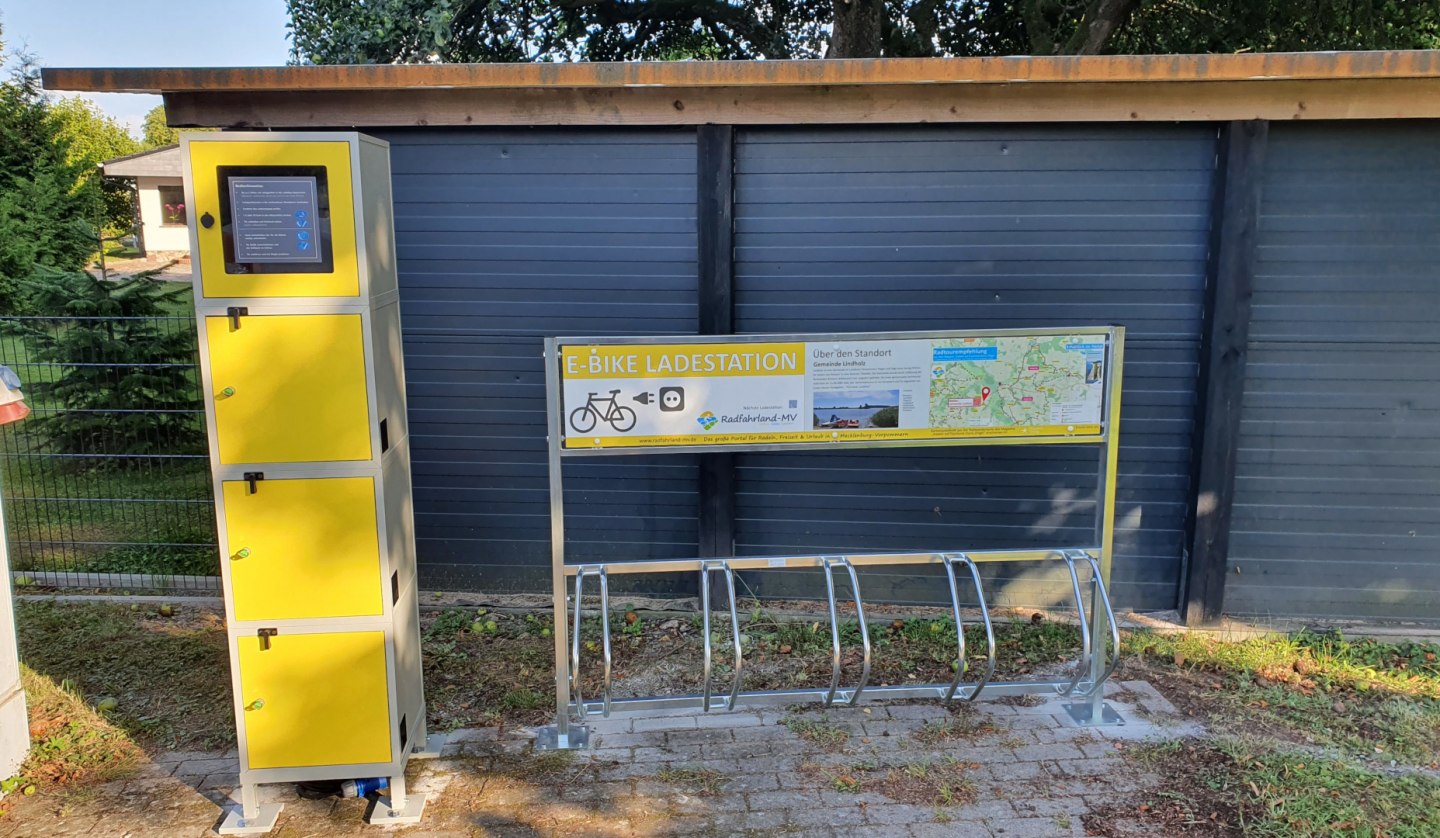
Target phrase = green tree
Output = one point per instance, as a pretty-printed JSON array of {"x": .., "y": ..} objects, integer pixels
[
  {"x": 44, "y": 205},
  {"x": 91, "y": 137},
  {"x": 417, "y": 31},
  {"x": 157, "y": 132},
  {"x": 125, "y": 379}
]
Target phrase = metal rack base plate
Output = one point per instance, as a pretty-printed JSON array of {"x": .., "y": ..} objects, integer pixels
[
  {"x": 1084, "y": 715},
  {"x": 547, "y": 738}
]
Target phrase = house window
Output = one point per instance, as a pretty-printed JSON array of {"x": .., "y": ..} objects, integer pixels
[{"x": 172, "y": 206}]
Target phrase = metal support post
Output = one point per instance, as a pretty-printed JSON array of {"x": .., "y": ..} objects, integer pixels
[
  {"x": 397, "y": 808},
  {"x": 561, "y": 735},
  {"x": 251, "y": 817},
  {"x": 1096, "y": 711}
]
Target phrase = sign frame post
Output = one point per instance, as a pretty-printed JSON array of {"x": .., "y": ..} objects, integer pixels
[{"x": 1091, "y": 670}]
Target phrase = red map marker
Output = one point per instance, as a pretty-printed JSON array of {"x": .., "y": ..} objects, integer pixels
[{"x": 984, "y": 394}]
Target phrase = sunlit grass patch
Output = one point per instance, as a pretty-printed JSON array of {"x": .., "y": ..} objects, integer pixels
[
  {"x": 71, "y": 743},
  {"x": 1290, "y": 794}
]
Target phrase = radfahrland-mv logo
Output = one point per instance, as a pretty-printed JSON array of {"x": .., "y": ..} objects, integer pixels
[{"x": 707, "y": 420}]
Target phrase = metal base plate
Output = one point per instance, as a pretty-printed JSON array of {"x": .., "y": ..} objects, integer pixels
[
  {"x": 547, "y": 738},
  {"x": 235, "y": 824},
  {"x": 431, "y": 749},
  {"x": 381, "y": 814},
  {"x": 1084, "y": 715}
]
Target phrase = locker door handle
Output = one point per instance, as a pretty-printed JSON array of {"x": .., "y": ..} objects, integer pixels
[
  {"x": 242, "y": 553},
  {"x": 257, "y": 704},
  {"x": 227, "y": 392},
  {"x": 265, "y": 635},
  {"x": 235, "y": 313},
  {"x": 252, "y": 479}
]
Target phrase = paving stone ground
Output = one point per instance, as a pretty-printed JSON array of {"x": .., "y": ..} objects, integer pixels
[{"x": 1033, "y": 771}]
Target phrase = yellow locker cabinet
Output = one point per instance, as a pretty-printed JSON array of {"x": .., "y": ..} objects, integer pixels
[
  {"x": 304, "y": 548},
  {"x": 301, "y": 361},
  {"x": 290, "y": 218}
]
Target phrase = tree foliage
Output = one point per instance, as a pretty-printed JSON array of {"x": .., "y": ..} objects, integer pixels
[
  {"x": 413, "y": 31},
  {"x": 45, "y": 204},
  {"x": 125, "y": 381},
  {"x": 90, "y": 138},
  {"x": 156, "y": 132}
]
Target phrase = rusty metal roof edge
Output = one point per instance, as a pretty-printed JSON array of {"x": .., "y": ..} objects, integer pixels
[{"x": 818, "y": 72}]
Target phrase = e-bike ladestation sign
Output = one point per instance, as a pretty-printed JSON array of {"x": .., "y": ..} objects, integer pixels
[
  {"x": 860, "y": 389},
  {"x": 654, "y": 395}
]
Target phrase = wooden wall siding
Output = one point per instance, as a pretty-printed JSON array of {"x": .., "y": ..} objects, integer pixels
[
  {"x": 959, "y": 228},
  {"x": 1337, "y": 499},
  {"x": 504, "y": 237}
]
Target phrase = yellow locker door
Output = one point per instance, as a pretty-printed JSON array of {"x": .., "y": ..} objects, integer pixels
[
  {"x": 289, "y": 388},
  {"x": 304, "y": 549},
  {"x": 315, "y": 699}
]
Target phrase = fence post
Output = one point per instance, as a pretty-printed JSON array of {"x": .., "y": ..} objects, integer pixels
[
  {"x": 715, "y": 226},
  {"x": 1235, "y": 217}
]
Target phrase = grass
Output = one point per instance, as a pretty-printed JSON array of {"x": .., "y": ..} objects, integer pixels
[
  {"x": 703, "y": 782},
  {"x": 939, "y": 783},
  {"x": 169, "y": 677},
  {"x": 822, "y": 732},
  {"x": 1288, "y": 794},
  {"x": 1365, "y": 698},
  {"x": 72, "y": 743},
  {"x": 963, "y": 724}
]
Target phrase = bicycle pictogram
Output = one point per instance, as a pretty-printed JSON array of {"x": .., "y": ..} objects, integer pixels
[{"x": 619, "y": 417}]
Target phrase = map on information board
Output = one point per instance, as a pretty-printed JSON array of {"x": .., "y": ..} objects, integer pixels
[
  {"x": 1016, "y": 381},
  {"x": 840, "y": 388}
]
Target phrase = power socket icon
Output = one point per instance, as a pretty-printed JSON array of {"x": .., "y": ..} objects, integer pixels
[{"x": 672, "y": 399}]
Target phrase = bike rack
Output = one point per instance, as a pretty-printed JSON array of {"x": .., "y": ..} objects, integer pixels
[
  {"x": 580, "y": 574},
  {"x": 705, "y": 570},
  {"x": 1098, "y": 592},
  {"x": 829, "y": 565},
  {"x": 1083, "y": 681},
  {"x": 952, "y": 559}
]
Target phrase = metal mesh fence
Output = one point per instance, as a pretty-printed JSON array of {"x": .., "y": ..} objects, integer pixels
[{"x": 107, "y": 483}]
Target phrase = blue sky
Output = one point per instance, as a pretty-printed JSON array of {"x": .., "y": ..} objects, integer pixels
[{"x": 146, "y": 33}]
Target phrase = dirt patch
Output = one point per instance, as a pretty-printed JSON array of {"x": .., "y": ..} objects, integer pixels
[
  {"x": 939, "y": 783},
  {"x": 944, "y": 782},
  {"x": 963, "y": 724},
  {"x": 701, "y": 782},
  {"x": 1190, "y": 798}
]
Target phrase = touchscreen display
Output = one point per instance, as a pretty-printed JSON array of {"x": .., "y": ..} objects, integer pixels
[{"x": 275, "y": 219}]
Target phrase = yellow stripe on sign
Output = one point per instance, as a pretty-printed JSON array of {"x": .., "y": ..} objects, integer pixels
[
  {"x": 1067, "y": 433},
  {"x": 699, "y": 360}
]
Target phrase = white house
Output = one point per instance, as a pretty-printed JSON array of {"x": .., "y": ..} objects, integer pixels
[{"x": 161, "y": 198}]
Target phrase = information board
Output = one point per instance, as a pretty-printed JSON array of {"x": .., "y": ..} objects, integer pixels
[
  {"x": 854, "y": 390},
  {"x": 275, "y": 219}
]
